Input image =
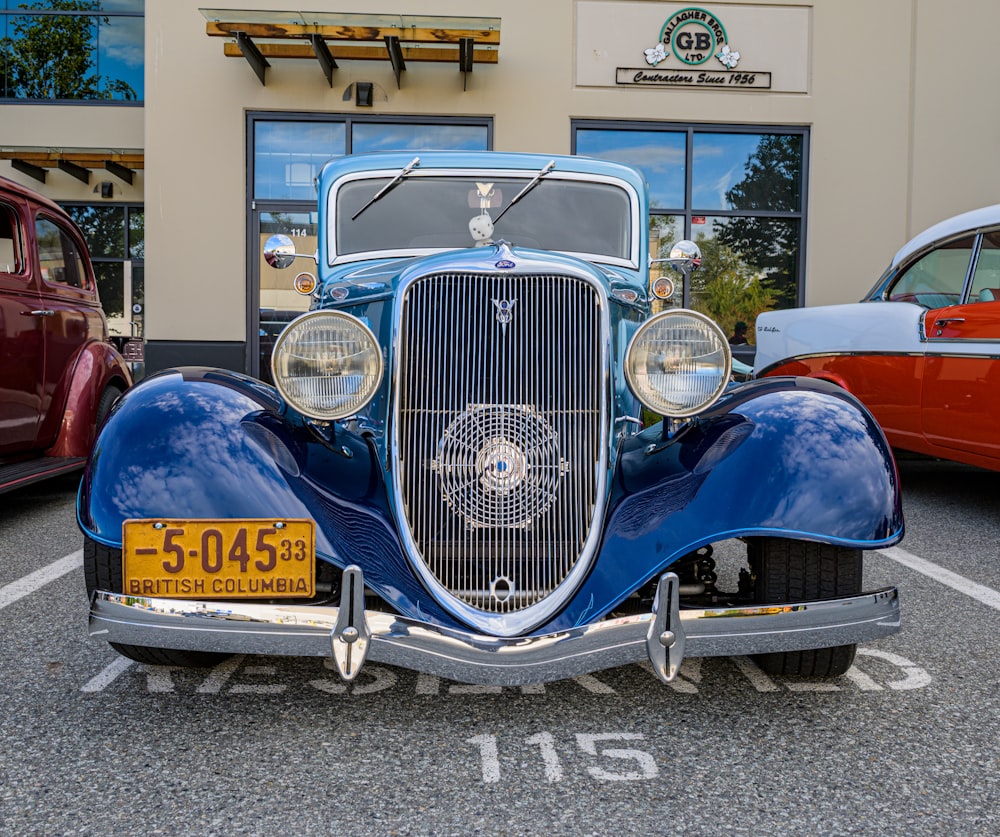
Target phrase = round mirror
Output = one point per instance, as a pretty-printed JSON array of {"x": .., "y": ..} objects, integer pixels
[
  {"x": 685, "y": 254},
  {"x": 279, "y": 251}
]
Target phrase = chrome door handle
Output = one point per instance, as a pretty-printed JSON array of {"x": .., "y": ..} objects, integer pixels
[
  {"x": 945, "y": 320},
  {"x": 45, "y": 312}
]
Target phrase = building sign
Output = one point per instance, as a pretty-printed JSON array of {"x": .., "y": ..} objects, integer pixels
[{"x": 693, "y": 51}]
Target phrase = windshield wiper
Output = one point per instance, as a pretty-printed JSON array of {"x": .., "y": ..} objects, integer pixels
[
  {"x": 527, "y": 188},
  {"x": 390, "y": 185}
]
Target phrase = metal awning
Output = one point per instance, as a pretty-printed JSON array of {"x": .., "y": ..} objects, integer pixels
[
  {"x": 328, "y": 38},
  {"x": 77, "y": 162}
]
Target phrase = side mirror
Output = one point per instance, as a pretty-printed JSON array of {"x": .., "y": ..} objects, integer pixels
[
  {"x": 279, "y": 251},
  {"x": 685, "y": 257}
]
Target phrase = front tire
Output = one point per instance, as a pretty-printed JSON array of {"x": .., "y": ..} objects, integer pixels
[
  {"x": 789, "y": 571},
  {"x": 102, "y": 570}
]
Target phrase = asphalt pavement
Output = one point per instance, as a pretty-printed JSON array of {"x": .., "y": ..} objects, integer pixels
[{"x": 908, "y": 742}]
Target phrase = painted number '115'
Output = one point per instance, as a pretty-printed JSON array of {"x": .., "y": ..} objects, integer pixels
[{"x": 629, "y": 764}]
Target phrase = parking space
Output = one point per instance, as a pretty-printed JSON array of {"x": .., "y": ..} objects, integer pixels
[{"x": 905, "y": 741}]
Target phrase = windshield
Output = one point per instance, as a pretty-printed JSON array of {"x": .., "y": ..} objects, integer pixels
[{"x": 426, "y": 212}]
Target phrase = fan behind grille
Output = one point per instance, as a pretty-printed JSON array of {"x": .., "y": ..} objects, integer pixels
[{"x": 499, "y": 465}]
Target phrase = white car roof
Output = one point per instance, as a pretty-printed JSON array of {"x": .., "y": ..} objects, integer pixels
[{"x": 985, "y": 217}]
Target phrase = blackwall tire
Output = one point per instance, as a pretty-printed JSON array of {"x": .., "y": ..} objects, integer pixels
[
  {"x": 108, "y": 398},
  {"x": 102, "y": 570},
  {"x": 788, "y": 571}
]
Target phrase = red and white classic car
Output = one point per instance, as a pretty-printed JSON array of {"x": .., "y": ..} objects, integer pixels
[{"x": 922, "y": 350}]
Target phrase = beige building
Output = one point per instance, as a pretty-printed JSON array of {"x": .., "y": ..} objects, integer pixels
[{"x": 841, "y": 127}]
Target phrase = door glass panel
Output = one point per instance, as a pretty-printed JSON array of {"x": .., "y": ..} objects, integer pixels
[
  {"x": 111, "y": 289},
  {"x": 935, "y": 280},
  {"x": 280, "y": 303},
  {"x": 986, "y": 279}
]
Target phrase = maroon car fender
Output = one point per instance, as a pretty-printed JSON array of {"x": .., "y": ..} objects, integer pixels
[{"x": 97, "y": 367}]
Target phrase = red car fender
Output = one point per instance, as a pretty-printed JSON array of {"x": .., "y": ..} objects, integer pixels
[
  {"x": 97, "y": 366},
  {"x": 812, "y": 368}
]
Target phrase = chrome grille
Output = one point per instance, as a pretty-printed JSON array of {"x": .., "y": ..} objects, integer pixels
[{"x": 499, "y": 437}]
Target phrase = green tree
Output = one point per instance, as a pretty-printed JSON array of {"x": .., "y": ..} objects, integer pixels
[
  {"x": 726, "y": 288},
  {"x": 772, "y": 182},
  {"x": 52, "y": 56}
]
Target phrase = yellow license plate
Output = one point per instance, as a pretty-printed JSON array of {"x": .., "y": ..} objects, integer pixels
[{"x": 218, "y": 559}]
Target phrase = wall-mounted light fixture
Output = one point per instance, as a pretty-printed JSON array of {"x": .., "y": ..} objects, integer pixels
[{"x": 363, "y": 94}]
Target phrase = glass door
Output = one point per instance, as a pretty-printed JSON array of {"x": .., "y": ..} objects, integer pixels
[{"x": 277, "y": 302}]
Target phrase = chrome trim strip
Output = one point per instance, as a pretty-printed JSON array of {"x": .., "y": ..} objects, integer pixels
[
  {"x": 937, "y": 340},
  {"x": 247, "y": 628}
]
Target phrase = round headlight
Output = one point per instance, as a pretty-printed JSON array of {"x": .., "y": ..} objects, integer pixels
[
  {"x": 678, "y": 363},
  {"x": 327, "y": 364}
]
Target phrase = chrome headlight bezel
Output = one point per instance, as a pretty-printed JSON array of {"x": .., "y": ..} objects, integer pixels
[
  {"x": 365, "y": 363},
  {"x": 695, "y": 369}
]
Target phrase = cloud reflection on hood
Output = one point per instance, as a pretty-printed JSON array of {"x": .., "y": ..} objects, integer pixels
[
  {"x": 831, "y": 471},
  {"x": 183, "y": 453}
]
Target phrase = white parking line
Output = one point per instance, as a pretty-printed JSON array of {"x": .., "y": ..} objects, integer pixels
[
  {"x": 39, "y": 578},
  {"x": 118, "y": 666},
  {"x": 986, "y": 595}
]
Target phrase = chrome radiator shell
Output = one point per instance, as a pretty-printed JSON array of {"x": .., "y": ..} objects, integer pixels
[{"x": 500, "y": 439}]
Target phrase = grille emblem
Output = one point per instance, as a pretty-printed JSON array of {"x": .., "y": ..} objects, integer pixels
[{"x": 505, "y": 311}]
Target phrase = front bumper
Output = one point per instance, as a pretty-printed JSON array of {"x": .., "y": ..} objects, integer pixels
[{"x": 351, "y": 635}]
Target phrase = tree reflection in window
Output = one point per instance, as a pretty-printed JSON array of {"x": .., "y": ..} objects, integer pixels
[
  {"x": 50, "y": 56},
  {"x": 772, "y": 183}
]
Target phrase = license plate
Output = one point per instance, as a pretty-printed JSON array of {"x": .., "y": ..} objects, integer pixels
[{"x": 227, "y": 559}]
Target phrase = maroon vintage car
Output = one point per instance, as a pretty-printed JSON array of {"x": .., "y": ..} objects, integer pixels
[{"x": 59, "y": 372}]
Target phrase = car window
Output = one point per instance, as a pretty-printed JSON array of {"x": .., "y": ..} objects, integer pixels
[
  {"x": 986, "y": 279},
  {"x": 58, "y": 255},
  {"x": 10, "y": 246},
  {"x": 936, "y": 279}
]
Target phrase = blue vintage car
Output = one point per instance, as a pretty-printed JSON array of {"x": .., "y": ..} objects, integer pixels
[{"x": 452, "y": 472}]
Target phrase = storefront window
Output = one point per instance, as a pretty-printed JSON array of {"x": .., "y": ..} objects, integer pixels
[
  {"x": 115, "y": 238},
  {"x": 58, "y": 50},
  {"x": 738, "y": 193}
]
